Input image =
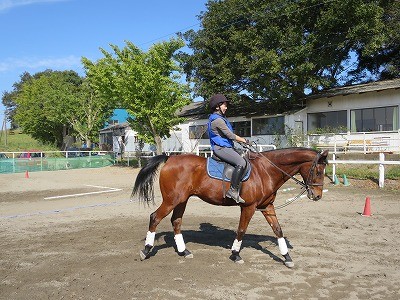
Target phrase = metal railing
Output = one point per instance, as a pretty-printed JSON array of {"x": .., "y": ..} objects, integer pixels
[{"x": 208, "y": 152}]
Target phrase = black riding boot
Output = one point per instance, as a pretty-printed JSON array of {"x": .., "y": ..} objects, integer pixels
[{"x": 233, "y": 192}]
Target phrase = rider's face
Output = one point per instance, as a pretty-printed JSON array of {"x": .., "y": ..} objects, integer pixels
[{"x": 223, "y": 107}]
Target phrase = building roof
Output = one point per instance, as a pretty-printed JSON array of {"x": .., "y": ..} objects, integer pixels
[
  {"x": 200, "y": 110},
  {"x": 249, "y": 108},
  {"x": 111, "y": 128},
  {"x": 357, "y": 89}
]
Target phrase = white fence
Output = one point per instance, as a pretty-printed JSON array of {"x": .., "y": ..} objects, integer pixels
[
  {"x": 381, "y": 162},
  {"x": 364, "y": 142},
  {"x": 206, "y": 149}
]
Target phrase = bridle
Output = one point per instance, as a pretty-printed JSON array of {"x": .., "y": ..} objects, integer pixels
[
  {"x": 309, "y": 181},
  {"x": 307, "y": 184},
  {"x": 310, "y": 176}
]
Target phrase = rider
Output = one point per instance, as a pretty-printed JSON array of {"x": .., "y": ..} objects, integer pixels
[{"x": 221, "y": 138}]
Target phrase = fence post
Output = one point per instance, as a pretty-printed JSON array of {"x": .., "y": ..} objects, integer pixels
[
  {"x": 333, "y": 165},
  {"x": 381, "y": 170},
  {"x": 334, "y": 145}
]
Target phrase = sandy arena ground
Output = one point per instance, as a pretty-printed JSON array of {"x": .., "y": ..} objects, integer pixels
[{"x": 87, "y": 246}]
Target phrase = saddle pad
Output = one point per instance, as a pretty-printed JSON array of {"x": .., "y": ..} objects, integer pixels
[{"x": 215, "y": 170}]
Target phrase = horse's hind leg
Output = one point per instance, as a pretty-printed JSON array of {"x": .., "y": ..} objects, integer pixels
[
  {"x": 176, "y": 221},
  {"x": 271, "y": 218},
  {"x": 155, "y": 219}
]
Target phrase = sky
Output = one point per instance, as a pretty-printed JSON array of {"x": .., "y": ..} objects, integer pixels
[{"x": 55, "y": 34}]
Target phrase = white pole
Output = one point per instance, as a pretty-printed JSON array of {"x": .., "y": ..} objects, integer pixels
[
  {"x": 334, "y": 146},
  {"x": 381, "y": 170}
]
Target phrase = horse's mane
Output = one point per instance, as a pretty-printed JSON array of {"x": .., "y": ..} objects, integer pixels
[
  {"x": 291, "y": 149},
  {"x": 284, "y": 156}
]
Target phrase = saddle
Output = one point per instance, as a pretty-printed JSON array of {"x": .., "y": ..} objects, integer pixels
[{"x": 221, "y": 170}]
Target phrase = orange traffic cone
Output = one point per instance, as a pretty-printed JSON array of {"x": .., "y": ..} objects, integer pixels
[
  {"x": 26, "y": 174},
  {"x": 367, "y": 208}
]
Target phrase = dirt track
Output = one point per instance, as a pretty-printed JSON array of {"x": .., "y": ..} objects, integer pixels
[{"x": 87, "y": 247}]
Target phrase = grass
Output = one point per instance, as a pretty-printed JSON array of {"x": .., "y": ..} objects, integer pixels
[
  {"x": 18, "y": 141},
  {"x": 365, "y": 171}
]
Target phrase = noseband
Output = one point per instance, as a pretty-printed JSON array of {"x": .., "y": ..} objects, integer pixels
[{"x": 310, "y": 176}]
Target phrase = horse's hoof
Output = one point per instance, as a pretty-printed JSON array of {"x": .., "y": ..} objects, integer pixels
[
  {"x": 186, "y": 254},
  {"x": 289, "y": 264},
  {"x": 142, "y": 255},
  {"x": 235, "y": 257},
  {"x": 288, "y": 261},
  {"x": 145, "y": 253}
]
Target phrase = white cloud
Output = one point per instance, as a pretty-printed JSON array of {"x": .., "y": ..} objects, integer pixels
[
  {"x": 10, "y": 4},
  {"x": 34, "y": 64}
]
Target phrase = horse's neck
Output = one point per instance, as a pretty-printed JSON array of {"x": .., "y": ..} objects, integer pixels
[{"x": 289, "y": 162}]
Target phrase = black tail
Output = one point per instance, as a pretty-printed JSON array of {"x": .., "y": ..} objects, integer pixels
[{"x": 145, "y": 179}]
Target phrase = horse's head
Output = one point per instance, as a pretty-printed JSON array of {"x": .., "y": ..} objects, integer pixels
[{"x": 314, "y": 176}]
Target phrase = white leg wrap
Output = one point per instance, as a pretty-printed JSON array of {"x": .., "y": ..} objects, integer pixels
[
  {"x": 150, "y": 238},
  {"x": 180, "y": 243},
  {"x": 236, "y": 245},
  {"x": 282, "y": 246}
]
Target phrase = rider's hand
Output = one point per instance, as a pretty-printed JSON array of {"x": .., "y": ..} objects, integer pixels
[{"x": 248, "y": 142}]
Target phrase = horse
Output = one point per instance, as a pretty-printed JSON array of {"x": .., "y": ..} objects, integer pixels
[{"x": 184, "y": 175}]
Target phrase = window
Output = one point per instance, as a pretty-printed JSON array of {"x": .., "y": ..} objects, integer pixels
[
  {"x": 112, "y": 122},
  {"x": 374, "y": 119},
  {"x": 327, "y": 120},
  {"x": 198, "y": 132},
  {"x": 269, "y": 126},
  {"x": 242, "y": 128}
]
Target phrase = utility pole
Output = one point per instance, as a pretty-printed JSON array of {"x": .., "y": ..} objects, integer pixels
[{"x": 4, "y": 129}]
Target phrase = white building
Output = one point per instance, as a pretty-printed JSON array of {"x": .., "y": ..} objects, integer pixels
[{"x": 356, "y": 118}]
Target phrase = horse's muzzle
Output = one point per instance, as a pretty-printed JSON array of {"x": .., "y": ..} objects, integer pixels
[{"x": 312, "y": 196}]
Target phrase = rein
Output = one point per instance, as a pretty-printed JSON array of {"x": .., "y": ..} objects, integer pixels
[
  {"x": 302, "y": 183},
  {"x": 305, "y": 185}
]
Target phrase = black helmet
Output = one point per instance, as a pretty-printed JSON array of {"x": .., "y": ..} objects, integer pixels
[{"x": 217, "y": 99}]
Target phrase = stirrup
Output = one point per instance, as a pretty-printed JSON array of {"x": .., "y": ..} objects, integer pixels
[{"x": 234, "y": 194}]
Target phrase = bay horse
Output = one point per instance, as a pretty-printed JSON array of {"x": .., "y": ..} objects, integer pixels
[{"x": 185, "y": 175}]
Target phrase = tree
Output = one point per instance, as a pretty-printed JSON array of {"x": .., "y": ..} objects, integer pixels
[
  {"x": 55, "y": 102},
  {"x": 43, "y": 103},
  {"x": 87, "y": 113},
  {"x": 385, "y": 62},
  {"x": 8, "y": 98},
  {"x": 147, "y": 84},
  {"x": 282, "y": 50}
]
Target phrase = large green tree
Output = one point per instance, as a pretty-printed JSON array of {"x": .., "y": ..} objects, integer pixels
[
  {"x": 8, "y": 97},
  {"x": 42, "y": 104},
  {"x": 49, "y": 105},
  {"x": 147, "y": 84},
  {"x": 282, "y": 50}
]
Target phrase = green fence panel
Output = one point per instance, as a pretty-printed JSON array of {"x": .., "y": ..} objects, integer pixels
[{"x": 19, "y": 165}]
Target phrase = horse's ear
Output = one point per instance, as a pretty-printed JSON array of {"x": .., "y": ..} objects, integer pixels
[
  {"x": 325, "y": 153},
  {"x": 323, "y": 157}
]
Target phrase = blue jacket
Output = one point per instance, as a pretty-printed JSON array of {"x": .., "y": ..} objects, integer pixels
[{"x": 217, "y": 139}]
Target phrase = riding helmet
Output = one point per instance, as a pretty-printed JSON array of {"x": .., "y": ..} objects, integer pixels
[{"x": 217, "y": 99}]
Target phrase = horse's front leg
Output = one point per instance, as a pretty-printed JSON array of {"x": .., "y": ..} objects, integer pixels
[
  {"x": 270, "y": 216},
  {"x": 176, "y": 221},
  {"x": 245, "y": 217}
]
